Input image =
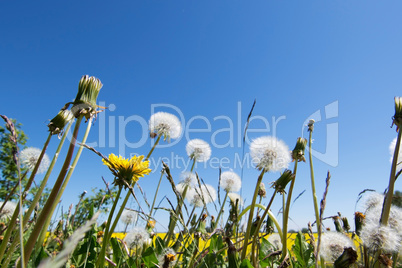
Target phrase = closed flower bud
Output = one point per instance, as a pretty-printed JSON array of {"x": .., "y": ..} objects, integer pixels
[
  {"x": 359, "y": 221},
  {"x": 345, "y": 224},
  {"x": 311, "y": 124},
  {"x": 284, "y": 179},
  {"x": 348, "y": 257},
  {"x": 398, "y": 112},
  {"x": 58, "y": 123},
  {"x": 338, "y": 226},
  {"x": 85, "y": 101},
  {"x": 261, "y": 190},
  {"x": 298, "y": 151},
  {"x": 270, "y": 227}
]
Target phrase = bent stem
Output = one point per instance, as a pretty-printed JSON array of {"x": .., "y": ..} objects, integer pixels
[{"x": 250, "y": 217}]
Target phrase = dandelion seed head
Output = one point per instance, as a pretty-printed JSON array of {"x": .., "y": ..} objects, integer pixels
[
  {"x": 333, "y": 244},
  {"x": 270, "y": 154},
  {"x": 8, "y": 210},
  {"x": 188, "y": 178},
  {"x": 234, "y": 196},
  {"x": 391, "y": 152},
  {"x": 195, "y": 196},
  {"x": 137, "y": 237},
  {"x": 166, "y": 253},
  {"x": 275, "y": 241},
  {"x": 128, "y": 216},
  {"x": 372, "y": 200},
  {"x": 376, "y": 236},
  {"x": 230, "y": 181},
  {"x": 165, "y": 124},
  {"x": 29, "y": 157},
  {"x": 209, "y": 193},
  {"x": 199, "y": 150}
]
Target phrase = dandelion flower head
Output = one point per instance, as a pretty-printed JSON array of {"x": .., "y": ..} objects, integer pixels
[
  {"x": 376, "y": 236},
  {"x": 195, "y": 196},
  {"x": 275, "y": 240},
  {"x": 188, "y": 178},
  {"x": 230, "y": 181},
  {"x": 29, "y": 157},
  {"x": 165, "y": 124},
  {"x": 333, "y": 244},
  {"x": 199, "y": 150},
  {"x": 270, "y": 154},
  {"x": 137, "y": 237},
  {"x": 167, "y": 255},
  {"x": 127, "y": 170}
]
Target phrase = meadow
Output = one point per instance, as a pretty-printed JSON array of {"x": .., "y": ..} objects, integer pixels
[{"x": 249, "y": 235}]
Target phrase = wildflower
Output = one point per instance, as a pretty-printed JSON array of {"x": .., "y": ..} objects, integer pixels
[
  {"x": 347, "y": 258},
  {"x": 194, "y": 198},
  {"x": 275, "y": 241},
  {"x": 8, "y": 210},
  {"x": 230, "y": 181},
  {"x": 29, "y": 157},
  {"x": 235, "y": 197},
  {"x": 128, "y": 216},
  {"x": 337, "y": 224},
  {"x": 197, "y": 196},
  {"x": 333, "y": 244},
  {"x": 180, "y": 187},
  {"x": 298, "y": 151},
  {"x": 376, "y": 236},
  {"x": 166, "y": 125},
  {"x": 391, "y": 152},
  {"x": 284, "y": 179},
  {"x": 136, "y": 238},
  {"x": 397, "y": 119},
  {"x": 85, "y": 101},
  {"x": 270, "y": 154},
  {"x": 126, "y": 170},
  {"x": 58, "y": 123},
  {"x": 359, "y": 221},
  {"x": 209, "y": 193},
  {"x": 198, "y": 150}
]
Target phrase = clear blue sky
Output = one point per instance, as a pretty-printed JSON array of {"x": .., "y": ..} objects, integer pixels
[{"x": 206, "y": 58}]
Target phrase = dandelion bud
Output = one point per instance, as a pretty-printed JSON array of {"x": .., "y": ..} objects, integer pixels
[
  {"x": 348, "y": 257},
  {"x": 58, "y": 123},
  {"x": 359, "y": 221},
  {"x": 270, "y": 225},
  {"x": 85, "y": 101},
  {"x": 261, "y": 190},
  {"x": 298, "y": 151},
  {"x": 337, "y": 224},
  {"x": 311, "y": 125},
  {"x": 254, "y": 226},
  {"x": 345, "y": 224},
  {"x": 398, "y": 112},
  {"x": 284, "y": 179},
  {"x": 385, "y": 261}
]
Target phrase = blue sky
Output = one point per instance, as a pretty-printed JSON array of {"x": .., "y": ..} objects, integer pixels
[{"x": 207, "y": 59}]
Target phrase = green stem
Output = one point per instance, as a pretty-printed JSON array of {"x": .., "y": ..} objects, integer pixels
[
  {"x": 221, "y": 210},
  {"x": 250, "y": 217},
  {"x": 258, "y": 229},
  {"x": 156, "y": 193},
  {"x": 153, "y": 147},
  {"x": 192, "y": 167},
  {"x": 286, "y": 214},
  {"x": 64, "y": 185},
  {"x": 101, "y": 258},
  {"x": 37, "y": 196},
  {"x": 29, "y": 246}
]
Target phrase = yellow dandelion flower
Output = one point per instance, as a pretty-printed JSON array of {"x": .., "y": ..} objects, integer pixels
[{"x": 127, "y": 170}]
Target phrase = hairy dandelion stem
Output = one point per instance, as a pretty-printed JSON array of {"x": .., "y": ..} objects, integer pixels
[{"x": 221, "y": 210}]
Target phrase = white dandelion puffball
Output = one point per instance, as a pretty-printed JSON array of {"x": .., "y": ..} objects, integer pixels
[
  {"x": 275, "y": 240},
  {"x": 209, "y": 193},
  {"x": 199, "y": 150},
  {"x": 333, "y": 244},
  {"x": 29, "y": 157},
  {"x": 188, "y": 178},
  {"x": 376, "y": 236},
  {"x": 230, "y": 181},
  {"x": 165, "y": 252},
  {"x": 270, "y": 154},
  {"x": 391, "y": 152},
  {"x": 128, "y": 216},
  {"x": 165, "y": 124},
  {"x": 137, "y": 238},
  {"x": 8, "y": 210},
  {"x": 233, "y": 197},
  {"x": 194, "y": 198}
]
